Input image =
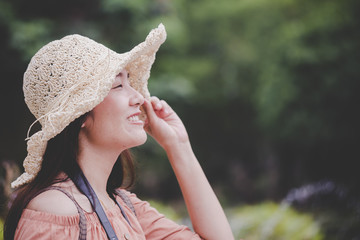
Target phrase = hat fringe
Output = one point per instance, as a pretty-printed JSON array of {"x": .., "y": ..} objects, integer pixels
[
  {"x": 23, "y": 179},
  {"x": 36, "y": 146}
]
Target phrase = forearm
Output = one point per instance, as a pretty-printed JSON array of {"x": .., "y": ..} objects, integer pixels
[{"x": 205, "y": 211}]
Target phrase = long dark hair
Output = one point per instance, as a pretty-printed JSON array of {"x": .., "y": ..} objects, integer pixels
[{"x": 60, "y": 156}]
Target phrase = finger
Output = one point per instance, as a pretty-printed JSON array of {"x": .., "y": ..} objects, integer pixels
[
  {"x": 160, "y": 107},
  {"x": 155, "y": 101},
  {"x": 166, "y": 109},
  {"x": 150, "y": 113}
]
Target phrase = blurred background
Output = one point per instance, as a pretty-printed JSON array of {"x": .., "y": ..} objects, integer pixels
[{"x": 268, "y": 91}]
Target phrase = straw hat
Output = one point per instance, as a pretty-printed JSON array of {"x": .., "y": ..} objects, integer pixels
[{"x": 69, "y": 77}]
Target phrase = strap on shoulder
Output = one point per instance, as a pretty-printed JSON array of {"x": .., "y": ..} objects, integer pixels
[
  {"x": 126, "y": 199},
  {"x": 84, "y": 186},
  {"x": 82, "y": 218}
]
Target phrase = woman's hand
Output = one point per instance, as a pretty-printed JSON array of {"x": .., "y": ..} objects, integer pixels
[{"x": 163, "y": 124}]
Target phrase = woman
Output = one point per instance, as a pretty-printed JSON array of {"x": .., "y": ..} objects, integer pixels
[{"x": 88, "y": 100}]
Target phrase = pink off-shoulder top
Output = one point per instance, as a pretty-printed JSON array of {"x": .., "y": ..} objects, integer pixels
[{"x": 149, "y": 224}]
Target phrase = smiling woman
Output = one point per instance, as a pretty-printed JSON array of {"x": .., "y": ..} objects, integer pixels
[{"x": 87, "y": 99}]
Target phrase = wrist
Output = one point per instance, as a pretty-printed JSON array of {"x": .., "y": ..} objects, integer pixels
[
  {"x": 177, "y": 147},
  {"x": 181, "y": 156}
]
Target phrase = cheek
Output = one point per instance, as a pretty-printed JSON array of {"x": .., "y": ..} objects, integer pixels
[
  {"x": 107, "y": 119},
  {"x": 112, "y": 106},
  {"x": 106, "y": 112},
  {"x": 103, "y": 108},
  {"x": 96, "y": 121}
]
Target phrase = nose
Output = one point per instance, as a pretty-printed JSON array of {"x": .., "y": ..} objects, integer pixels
[{"x": 136, "y": 98}]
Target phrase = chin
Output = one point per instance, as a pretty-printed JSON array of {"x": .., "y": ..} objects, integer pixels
[
  {"x": 140, "y": 140},
  {"x": 143, "y": 140}
]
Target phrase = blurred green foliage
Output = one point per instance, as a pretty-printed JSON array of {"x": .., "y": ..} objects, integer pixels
[
  {"x": 166, "y": 209},
  {"x": 1, "y": 230},
  {"x": 268, "y": 90},
  {"x": 263, "y": 221},
  {"x": 267, "y": 221}
]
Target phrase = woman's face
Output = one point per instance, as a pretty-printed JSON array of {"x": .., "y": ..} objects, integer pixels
[{"x": 114, "y": 124}]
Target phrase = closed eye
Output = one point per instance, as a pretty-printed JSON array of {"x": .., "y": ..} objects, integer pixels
[{"x": 118, "y": 86}]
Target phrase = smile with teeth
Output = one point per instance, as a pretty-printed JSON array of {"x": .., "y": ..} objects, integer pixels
[{"x": 134, "y": 118}]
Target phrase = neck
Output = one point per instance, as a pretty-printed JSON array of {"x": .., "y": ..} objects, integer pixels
[{"x": 97, "y": 165}]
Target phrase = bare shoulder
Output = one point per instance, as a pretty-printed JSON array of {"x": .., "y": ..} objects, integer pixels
[{"x": 54, "y": 202}]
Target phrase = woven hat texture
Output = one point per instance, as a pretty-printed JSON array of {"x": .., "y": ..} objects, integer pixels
[{"x": 69, "y": 77}]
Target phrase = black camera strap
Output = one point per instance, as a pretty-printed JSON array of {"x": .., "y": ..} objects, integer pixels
[{"x": 82, "y": 183}]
